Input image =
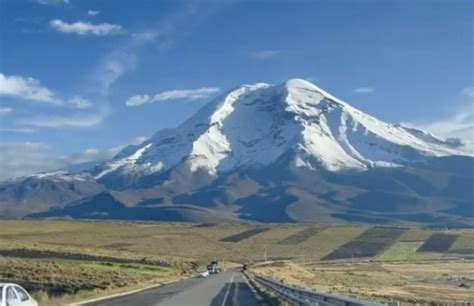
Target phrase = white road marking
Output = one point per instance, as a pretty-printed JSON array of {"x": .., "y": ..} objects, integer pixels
[
  {"x": 126, "y": 293},
  {"x": 228, "y": 289}
]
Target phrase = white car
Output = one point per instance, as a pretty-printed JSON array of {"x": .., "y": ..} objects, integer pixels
[
  {"x": 14, "y": 295},
  {"x": 203, "y": 274}
]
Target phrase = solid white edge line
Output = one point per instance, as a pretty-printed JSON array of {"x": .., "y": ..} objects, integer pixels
[
  {"x": 228, "y": 289},
  {"x": 124, "y": 293}
]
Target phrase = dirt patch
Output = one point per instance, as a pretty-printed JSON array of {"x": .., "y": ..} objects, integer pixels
[
  {"x": 368, "y": 244},
  {"x": 244, "y": 235},
  {"x": 205, "y": 225},
  {"x": 438, "y": 243},
  {"x": 118, "y": 245},
  {"x": 301, "y": 236}
]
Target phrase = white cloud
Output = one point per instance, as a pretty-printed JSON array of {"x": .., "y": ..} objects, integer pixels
[
  {"x": 265, "y": 54},
  {"x": 92, "y": 13},
  {"x": 31, "y": 89},
  {"x": 85, "y": 28},
  {"x": 54, "y": 2},
  {"x": 17, "y": 130},
  {"x": 189, "y": 94},
  {"x": 25, "y": 158},
  {"x": 114, "y": 67},
  {"x": 19, "y": 159},
  {"x": 79, "y": 103},
  {"x": 122, "y": 59},
  {"x": 25, "y": 88},
  {"x": 139, "y": 140},
  {"x": 459, "y": 124},
  {"x": 75, "y": 121},
  {"x": 363, "y": 90},
  {"x": 90, "y": 155},
  {"x": 5, "y": 110},
  {"x": 468, "y": 91},
  {"x": 138, "y": 100}
]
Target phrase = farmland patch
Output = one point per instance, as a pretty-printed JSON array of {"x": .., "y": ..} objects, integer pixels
[
  {"x": 301, "y": 236},
  {"x": 438, "y": 243},
  {"x": 368, "y": 244},
  {"x": 405, "y": 250},
  {"x": 244, "y": 235}
]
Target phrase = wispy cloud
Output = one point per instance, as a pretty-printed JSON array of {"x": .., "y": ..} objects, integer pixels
[
  {"x": 139, "y": 140},
  {"x": 72, "y": 121},
  {"x": 363, "y": 90},
  {"x": 468, "y": 91},
  {"x": 459, "y": 124},
  {"x": 31, "y": 89},
  {"x": 92, "y": 13},
  {"x": 123, "y": 59},
  {"x": 185, "y": 94},
  {"x": 53, "y": 2},
  {"x": 5, "y": 110},
  {"x": 22, "y": 158},
  {"x": 25, "y": 158},
  {"x": 84, "y": 28},
  {"x": 78, "y": 102},
  {"x": 17, "y": 130},
  {"x": 26, "y": 88},
  {"x": 264, "y": 54},
  {"x": 91, "y": 155}
]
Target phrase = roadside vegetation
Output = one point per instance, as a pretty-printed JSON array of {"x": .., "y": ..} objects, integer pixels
[
  {"x": 58, "y": 281},
  {"x": 448, "y": 282}
]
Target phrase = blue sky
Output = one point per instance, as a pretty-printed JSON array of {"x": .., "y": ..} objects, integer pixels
[{"x": 68, "y": 67}]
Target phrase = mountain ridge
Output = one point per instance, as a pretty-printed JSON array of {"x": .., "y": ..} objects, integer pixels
[
  {"x": 295, "y": 115},
  {"x": 290, "y": 152}
]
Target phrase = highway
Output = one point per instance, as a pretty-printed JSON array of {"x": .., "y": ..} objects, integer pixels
[{"x": 225, "y": 289}]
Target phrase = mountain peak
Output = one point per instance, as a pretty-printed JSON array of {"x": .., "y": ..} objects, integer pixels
[
  {"x": 256, "y": 125},
  {"x": 264, "y": 152},
  {"x": 296, "y": 82}
]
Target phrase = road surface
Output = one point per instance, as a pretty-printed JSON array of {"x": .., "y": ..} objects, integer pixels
[{"x": 225, "y": 289}]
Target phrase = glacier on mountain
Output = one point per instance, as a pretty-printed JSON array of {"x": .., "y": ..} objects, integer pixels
[{"x": 255, "y": 125}]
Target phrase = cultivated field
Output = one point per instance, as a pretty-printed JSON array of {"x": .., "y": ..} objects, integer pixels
[
  {"x": 75, "y": 259},
  {"x": 368, "y": 244}
]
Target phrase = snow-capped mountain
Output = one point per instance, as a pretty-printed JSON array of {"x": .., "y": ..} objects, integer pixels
[
  {"x": 254, "y": 125},
  {"x": 270, "y": 153}
]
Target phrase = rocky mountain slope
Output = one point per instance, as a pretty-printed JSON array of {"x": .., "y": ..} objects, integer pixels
[{"x": 287, "y": 152}]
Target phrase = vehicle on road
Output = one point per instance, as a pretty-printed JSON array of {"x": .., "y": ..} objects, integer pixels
[
  {"x": 213, "y": 267},
  {"x": 15, "y": 295},
  {"x": 203, "y": 274}
]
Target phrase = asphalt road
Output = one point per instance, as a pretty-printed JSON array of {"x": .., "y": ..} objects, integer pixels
[{"x": 225, "y": 289}]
